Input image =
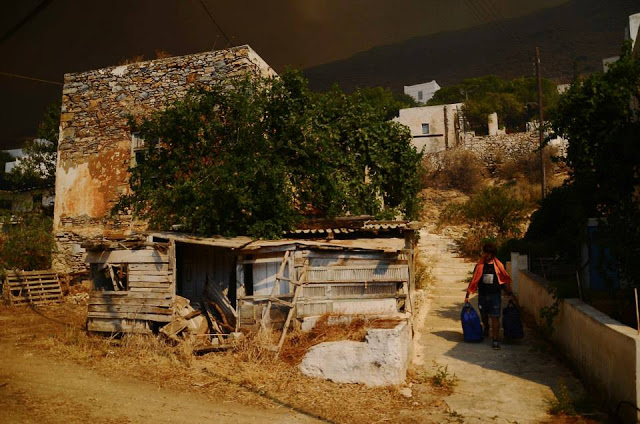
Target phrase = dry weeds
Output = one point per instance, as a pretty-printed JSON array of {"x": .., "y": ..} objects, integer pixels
[{"x": 250, "y": 375}]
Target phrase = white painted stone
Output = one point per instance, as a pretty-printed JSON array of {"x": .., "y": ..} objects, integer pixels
[
  {"x": 406, "y": 392},
  {"x": 119, "y": 70},
  {"x": 381, "y": 360}
]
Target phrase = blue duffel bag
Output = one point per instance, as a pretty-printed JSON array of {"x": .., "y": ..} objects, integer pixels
[
  {"x": 471, "y": 325},
  {"x": 511, "y": 322}
]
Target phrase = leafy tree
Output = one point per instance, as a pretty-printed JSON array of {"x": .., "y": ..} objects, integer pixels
[
  {"x": 38, "y": 166},
  {"x": 515, "y": 101},
  {"x": 254, "y": 156},
  {"x": 28, "y": 244},
  {"x": 598, "y": 116}
]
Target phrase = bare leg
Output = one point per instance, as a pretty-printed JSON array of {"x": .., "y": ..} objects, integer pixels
[
  {"x": 495, "y": 327},
  {"x": 485, "y": 323}
]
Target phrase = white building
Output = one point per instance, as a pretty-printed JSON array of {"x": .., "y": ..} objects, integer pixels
[
  {"x": 422, "y": 93},
  {"x": 632, "y": 32},
  {"x": 433, "y": 128}
]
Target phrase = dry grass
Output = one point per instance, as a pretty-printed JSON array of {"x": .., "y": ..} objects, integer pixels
[
  {"x": 250, "y": 375},
  {"x": 299, "y": 342},
  {"x": 424, "y": 269},
  {"x": 458, "y": 169}
]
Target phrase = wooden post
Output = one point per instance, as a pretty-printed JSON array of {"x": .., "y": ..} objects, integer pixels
[
  {"x": 635, "y": 292},
  {"x": 579, "y": 287},
  {"x": 541, "y": 126}
]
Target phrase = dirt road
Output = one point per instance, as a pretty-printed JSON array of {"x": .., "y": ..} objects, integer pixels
[
  {"x": 514, "y": 384},
  {"x": 36, "y": 389}
]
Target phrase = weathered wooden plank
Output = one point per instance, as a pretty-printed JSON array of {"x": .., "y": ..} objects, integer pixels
[
  {"x": 150, "y": 290},
  {"x": 152, "y": 285},
  {"x": 127, "y": 256},
  {"x": 32, "y": 283},
  {"x": 17, "y": 291},
  {"x": 140, "y": 309},
  {"x": 130, "y": 315},
  {"x": 32, "y": 280},
  {"x": 118, "y": 326},
  {"x": 30, "y": 273},
  {"x": 150, "y": 267},
  {"x": 22, "y": 300},
  {"x": 35, "y": 295},
  {"x": 128, "y": 294},
  {"x": 165, "y": 278},
  {"x": 132, "y": 302}
]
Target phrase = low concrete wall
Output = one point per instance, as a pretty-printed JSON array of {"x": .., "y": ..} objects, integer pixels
[{"x": 605, "y": 352}]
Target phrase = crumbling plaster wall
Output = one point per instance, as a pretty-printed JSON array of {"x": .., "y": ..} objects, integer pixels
[{"x": 95, "y": 152}]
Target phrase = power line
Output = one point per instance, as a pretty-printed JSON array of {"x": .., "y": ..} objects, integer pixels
[
  {"x": 7, "y": 74},
  {"x": 206, "y": 9},
  {"x": 36, "y": 10}
]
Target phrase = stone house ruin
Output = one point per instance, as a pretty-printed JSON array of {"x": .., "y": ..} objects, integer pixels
[{"x": 96, "y": 148}]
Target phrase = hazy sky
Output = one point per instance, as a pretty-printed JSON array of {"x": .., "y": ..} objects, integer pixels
[{"x": 76, "y": 35}]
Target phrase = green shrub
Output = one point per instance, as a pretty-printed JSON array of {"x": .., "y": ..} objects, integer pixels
[
  {"x": 454, "y": 169},
  {"x": 28, "y": 244},
  {"x": 494, "y": 215},
  {"x": 527, "y": 166}
]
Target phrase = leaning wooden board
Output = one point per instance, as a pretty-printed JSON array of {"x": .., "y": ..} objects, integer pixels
[{"x": 32, "y": 287}]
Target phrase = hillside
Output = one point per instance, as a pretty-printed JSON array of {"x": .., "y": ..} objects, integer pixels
[{"x": 580, "y": 31}]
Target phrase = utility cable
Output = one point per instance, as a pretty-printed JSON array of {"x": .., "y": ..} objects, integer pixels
[
  {"x": 206, "y": 9},
  {"x": 7, "y": 74},
  {"x": 39, "y": 8}
]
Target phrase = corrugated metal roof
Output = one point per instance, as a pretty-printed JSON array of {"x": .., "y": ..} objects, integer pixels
[{"x": 374, "y": 244}]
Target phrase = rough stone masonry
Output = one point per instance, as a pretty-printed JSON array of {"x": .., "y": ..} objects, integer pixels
[{"x": 96, "y": 146}]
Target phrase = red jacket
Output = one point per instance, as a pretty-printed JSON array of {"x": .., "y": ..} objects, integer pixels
[{"x": 501, "y": 273}]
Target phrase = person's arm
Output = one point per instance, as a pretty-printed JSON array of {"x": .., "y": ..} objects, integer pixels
[
  {"x": 466, "y": 296},
  {"x": 508, "y": 290}
]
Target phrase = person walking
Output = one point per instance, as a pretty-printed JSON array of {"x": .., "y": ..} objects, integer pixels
[{"x": 489, "y": 279}]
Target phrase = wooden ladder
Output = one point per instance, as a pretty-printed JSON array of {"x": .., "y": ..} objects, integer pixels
[
  {"x": 298, "y": 283},
  {"x": 266, "y": 314}
]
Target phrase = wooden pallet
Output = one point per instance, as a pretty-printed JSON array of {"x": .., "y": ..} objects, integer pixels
[{"x": 32, "y": 287}]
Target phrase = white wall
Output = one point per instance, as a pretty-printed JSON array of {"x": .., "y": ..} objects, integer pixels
[
  {"x": 604, "y": 351},
  {"x": 428, "y": 89},
  {"x": 435, "y": 116}
]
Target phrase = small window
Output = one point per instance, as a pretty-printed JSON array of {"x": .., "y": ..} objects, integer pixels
[
  {"x": 137, "y": 149},
  {"x": 420, "y": 95},
  {"x": 425, "y": 128}
]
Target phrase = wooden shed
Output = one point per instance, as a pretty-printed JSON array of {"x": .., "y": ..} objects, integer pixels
[{"x": 363, "y": 271}]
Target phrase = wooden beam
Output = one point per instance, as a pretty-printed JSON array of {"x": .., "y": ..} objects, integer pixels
[{"x": 127, "y": 256}]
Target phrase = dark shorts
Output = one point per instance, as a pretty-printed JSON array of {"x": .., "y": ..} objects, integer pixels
[{"x": 490, "y": 304}]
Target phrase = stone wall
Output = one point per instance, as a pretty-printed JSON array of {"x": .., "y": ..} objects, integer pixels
[
  {"x": 495, "y": 149},
  {"x": 95, "y": 148}
]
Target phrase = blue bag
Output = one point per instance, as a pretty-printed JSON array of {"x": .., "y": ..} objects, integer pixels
[
  {"x": 511, "y": 322},
  {"x": 471, "y": 325}
]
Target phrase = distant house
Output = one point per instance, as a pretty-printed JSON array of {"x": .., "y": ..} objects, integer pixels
[
  {"x": 27, "y": 200},
  {"x": 422, "y": 93},
  {"x": 433, "y": 128},
  {"x": 16, "y": 154}
]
